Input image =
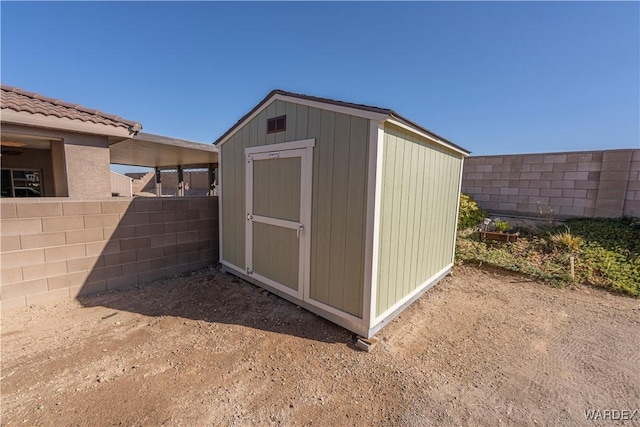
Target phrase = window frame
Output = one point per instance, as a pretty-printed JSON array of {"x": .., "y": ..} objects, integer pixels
[{"x": 13, "y": 181}]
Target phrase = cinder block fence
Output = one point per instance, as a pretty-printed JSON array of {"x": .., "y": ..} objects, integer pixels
[
  {"x": 573, "y": 184},
  {"x": 54, "y": 249}
]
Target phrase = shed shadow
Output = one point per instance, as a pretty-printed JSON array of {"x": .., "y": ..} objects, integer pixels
[{"x": 213, "y": 296}]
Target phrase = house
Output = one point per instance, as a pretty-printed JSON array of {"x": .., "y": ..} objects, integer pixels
[
  {"x": 54, "y": 148},
  {"x": 45, "y": 141},
  {"x": 347, "y": 210},
  {"x": 62, "y": 233}
]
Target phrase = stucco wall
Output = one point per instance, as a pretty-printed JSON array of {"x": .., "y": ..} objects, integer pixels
[
  {"x": 573, "y": 184},
  {"x": 88, "y": 168},
  {"x": 55, "y": 249}
]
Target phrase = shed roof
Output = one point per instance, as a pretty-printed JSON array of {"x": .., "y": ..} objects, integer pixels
[
  {"x": 389, "y": 113},
  {"x": 16, "y": 99}
]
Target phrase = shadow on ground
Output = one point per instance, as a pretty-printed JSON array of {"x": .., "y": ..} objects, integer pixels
[{"x": 213, "y": 296}]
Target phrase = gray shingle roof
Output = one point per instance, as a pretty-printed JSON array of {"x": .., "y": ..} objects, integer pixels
[{"x": 19, "y": 100}]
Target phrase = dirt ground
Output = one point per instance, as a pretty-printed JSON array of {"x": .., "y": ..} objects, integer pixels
[{"x": 480, "y": 348}]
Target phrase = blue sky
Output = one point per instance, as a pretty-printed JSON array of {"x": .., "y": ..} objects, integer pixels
[{"x": 493, "y": 77}]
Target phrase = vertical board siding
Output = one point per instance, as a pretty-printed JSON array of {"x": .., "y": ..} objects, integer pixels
[
  {"x": 268, "y": 260},
  {"x": 340, "y": 162},
  {"x": 356, "y": 211},
  {"x": 337, "y": 229},
  {"x": 313, "y": 131},
  {"x": 276, "y": 188},
  {"x": 418, "y": 211},
  {"x": 321, "y": 239}
]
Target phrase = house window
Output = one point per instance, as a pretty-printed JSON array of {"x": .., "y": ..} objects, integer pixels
[
  {"x": 277, "y": 124},
  {"x": 21, "y": 183}
]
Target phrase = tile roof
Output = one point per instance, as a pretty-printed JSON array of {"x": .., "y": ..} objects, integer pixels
[
  {"x": 386, "y": 111},
  {"x": 19, "y": 100}
]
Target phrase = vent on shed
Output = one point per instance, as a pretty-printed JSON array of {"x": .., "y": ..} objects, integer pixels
[{"x": 277, "y": 124}]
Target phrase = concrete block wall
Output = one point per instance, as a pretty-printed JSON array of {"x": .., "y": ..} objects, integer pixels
[
  {"x": 53, "y": 249},
  {"x": 198, "y": 182},
  {"x": 562, "y": 185}
]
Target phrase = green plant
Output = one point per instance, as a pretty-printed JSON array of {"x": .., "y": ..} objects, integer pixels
[
  {"x": 566, "y": 240},
  {"x": 606, "y": 253},
  {"x": 470, "y": 213},
  {"x": 501, "y": 225}
]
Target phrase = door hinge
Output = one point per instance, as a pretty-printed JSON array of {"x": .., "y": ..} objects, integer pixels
[
  {"x": 249, "y": 158},
  {"x": 249, "y": 217}
]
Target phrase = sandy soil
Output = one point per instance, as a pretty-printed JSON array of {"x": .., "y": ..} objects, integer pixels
[{"x": 480, "y": 348}]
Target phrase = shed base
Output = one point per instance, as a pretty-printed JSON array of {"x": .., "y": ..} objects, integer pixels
[
  {"x": 367, "y": 344},
  {"x": 372, "y": 331},
  {"x": 357, "y": 328},
  {"x": 354, "y": 326}
]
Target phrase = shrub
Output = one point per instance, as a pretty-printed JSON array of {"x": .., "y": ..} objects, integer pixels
[
  {"x": 566, "y": 240},
  {"x": 606, "y": 252},
  {"x": 470, "y": 214}
]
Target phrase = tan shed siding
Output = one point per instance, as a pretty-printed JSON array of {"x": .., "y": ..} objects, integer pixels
[
  {"x": 418, "y": 210},
  {"x": 338, "y": 199}
]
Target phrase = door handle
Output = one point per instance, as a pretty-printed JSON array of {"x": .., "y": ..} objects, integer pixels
[{"x": 300, "y": 227}]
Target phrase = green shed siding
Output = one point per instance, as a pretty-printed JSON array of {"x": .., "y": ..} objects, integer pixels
[
  {"x": 276, "y": 188},
  {"x": 338, "y": 200},
  {"x": 419, "y": 202},
  {"x": 268, "y": 260}
]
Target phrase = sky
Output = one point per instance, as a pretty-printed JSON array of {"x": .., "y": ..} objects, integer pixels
[{"x": 494, "y": 77}]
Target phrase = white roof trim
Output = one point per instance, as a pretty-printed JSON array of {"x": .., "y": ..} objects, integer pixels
[
  {"x": 61, "y": 123},
  {"x": 315, "y": 104},
  {"x": 427, "y": 136}
]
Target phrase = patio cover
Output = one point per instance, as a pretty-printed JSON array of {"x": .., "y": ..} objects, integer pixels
[{"x": 149, "y": 150}]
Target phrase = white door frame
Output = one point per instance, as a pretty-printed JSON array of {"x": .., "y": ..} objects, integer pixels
[{"x": 304, "y": 150}]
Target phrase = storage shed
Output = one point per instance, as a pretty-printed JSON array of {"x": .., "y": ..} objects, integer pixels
[{"x": 347, "y": 210}]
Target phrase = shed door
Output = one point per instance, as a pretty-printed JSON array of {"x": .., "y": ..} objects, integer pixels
[{"x": 278, "y": 218}]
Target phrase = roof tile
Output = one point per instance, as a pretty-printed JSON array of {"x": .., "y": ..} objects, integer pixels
[{"x": 19, "y": 100}]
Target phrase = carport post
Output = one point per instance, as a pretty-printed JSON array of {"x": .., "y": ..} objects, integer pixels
[
  {"x": 180, "y": 182},
  {"x": 158, "y": 182},
  {"x": 212, "y": 178}
]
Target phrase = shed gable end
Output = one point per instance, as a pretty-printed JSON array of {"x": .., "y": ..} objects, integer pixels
[{"x": 338, "y": 200}]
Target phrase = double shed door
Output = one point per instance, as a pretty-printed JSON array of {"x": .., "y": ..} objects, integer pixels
[{"x": 278, "y": 228}]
